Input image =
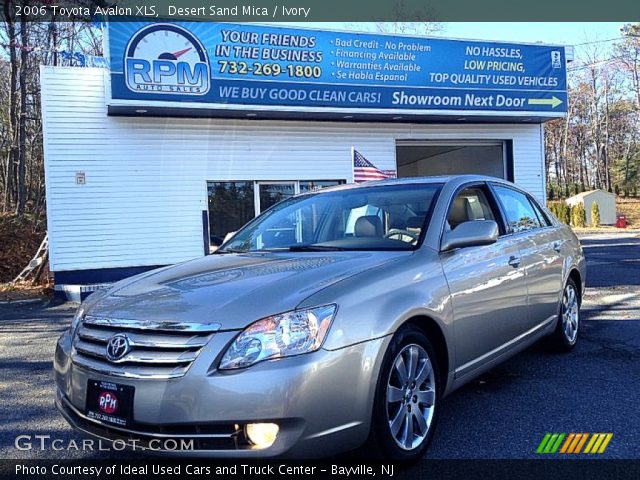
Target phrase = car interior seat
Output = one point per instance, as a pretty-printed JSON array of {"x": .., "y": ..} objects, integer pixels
[
  {"x": 368, "y": 226},
  {"x": 461, "y": 211}
]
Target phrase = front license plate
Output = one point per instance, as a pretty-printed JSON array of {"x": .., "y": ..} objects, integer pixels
[{"x": 110, "y": 402}]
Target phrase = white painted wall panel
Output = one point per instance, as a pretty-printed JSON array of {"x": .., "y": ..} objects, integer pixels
[{"x": 146, "y": 177}]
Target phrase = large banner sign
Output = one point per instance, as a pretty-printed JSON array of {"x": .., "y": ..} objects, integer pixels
[{"x": 240, "y": 66}]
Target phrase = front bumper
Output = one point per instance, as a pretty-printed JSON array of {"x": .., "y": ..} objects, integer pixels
[{"x": 321, "y": 401}]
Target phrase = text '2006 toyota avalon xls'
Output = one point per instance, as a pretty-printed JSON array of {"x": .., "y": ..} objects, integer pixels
[{"x": 335, "y": 318}]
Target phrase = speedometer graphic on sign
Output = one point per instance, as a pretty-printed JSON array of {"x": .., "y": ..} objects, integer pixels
[{"x": 166, "y": 58}]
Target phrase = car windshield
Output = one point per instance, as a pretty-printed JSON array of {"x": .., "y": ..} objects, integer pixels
[{"x": 385, "y": 217}]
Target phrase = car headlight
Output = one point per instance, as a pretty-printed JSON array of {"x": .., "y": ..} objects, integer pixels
[
  {"x": 77, "y": 318},
  {"x": 278, "y": 336}
]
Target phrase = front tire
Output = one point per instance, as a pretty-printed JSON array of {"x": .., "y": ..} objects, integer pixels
[{"x": 407, "y": 397}]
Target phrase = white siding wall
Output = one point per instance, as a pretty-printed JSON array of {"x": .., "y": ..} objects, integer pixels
[{"x": 146, "y": 177}]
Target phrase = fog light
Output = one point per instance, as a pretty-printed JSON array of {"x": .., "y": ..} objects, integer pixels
[{"x": 262, "y": 435}]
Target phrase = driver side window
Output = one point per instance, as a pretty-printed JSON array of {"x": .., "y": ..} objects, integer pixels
[{"x": 470, "y": 204}]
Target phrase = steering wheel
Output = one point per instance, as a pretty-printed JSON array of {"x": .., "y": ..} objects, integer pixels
[{"x": 399, "y": 232}]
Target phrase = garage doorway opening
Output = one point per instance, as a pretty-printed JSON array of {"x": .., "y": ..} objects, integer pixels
[{"x": 425, "y": 158}]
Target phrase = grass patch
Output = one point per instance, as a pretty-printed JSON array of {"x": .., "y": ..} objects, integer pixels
[{"x": 629, "y": 207}]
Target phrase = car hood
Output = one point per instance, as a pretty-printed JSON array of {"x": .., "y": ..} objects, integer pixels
[{"x": 233, "y": 290}]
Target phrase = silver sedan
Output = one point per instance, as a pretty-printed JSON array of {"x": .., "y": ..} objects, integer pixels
[{"x": 336, "y": 318}]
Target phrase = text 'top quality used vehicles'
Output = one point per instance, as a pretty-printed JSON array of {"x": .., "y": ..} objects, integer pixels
[{"x": 335, "y": 318}]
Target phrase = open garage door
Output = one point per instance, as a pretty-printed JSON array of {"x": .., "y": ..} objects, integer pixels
[{"x": 424, "y": 158}]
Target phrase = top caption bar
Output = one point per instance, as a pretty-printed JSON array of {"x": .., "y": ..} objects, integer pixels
[{"x": 324, "y": 10}]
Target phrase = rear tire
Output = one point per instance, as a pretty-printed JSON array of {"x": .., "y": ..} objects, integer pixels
[
  {"x": 407, "y": 398},
  {"x": 565, "y": 336}
]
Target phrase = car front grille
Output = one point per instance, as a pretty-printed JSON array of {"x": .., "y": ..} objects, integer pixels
[{"x": 159, "y": 350}]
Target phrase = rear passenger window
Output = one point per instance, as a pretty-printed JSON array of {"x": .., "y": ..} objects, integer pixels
[
  {"x": 544, "y": 220},
  {"x": 518, "y": 209}
]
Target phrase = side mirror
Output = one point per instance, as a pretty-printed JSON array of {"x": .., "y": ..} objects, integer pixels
[{"x": 470, "y": 234}]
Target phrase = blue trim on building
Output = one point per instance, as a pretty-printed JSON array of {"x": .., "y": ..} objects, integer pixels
[
  {"x": 205, "y": 232},
  {"x": 509, "y": 156},
  {"x": 101, "y": 275}
]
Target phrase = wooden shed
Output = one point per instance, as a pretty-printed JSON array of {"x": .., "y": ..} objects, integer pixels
[{"x": 606, "y": 202}]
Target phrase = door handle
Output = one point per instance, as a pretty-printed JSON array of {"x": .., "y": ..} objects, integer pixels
[
  {"x": 514, "y": 261},
  {"x": 557, "y": 246}
]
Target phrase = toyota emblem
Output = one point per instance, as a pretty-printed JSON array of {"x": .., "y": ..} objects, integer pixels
[{"x": 117, "y": 347}]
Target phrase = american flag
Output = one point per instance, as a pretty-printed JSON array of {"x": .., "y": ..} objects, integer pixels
[{"x": 364, "y": 170}]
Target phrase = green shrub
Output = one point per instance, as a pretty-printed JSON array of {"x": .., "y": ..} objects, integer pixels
[
  {"x": 561, "y": 211},
  {"x": 595, "y": 215},
  {"x": 555, "y": 208},
  {"x": 578, "y": 215},
  {"x": 551, "y": 192},
  {"x": 564, "y": 213},
  {"x": 572, "y": 211},
  {"x": 551, "y": 205}
]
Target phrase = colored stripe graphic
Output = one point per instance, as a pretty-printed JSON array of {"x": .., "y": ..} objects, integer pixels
[
  {"x": 598, "y": 443},
  {"x": 568, "y": 442},
  {"x": 581, "y": 443},
  {"x": 607, "y": 439},
  {"x": 592, "y": 440},
  {"x": 543, "y": 443},
  {"x": 573, "y": 443},
  {"x": 556, "y": 445},
  {"x": 576, "y": 444},
  {"x": 550, "y": 443}
]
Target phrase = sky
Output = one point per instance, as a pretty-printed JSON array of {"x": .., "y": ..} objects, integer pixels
[
  {"x": 582, "y": 36},
  {"x": 563, "y": 33}
]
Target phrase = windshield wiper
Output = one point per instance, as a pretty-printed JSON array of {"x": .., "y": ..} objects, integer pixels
[
  {"x": 230, "y": 250},
  {"x": 315, "y": 248}
]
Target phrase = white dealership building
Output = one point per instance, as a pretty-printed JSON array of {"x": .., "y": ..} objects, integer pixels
[{"x": 194, "y": 130}]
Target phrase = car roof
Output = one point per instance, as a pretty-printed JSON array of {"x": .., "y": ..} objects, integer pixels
[{"x": 441, "y": 179}]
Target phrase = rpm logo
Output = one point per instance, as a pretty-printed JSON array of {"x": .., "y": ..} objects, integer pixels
[
  {"x": 165, "y": 58},
  {"x": 108, "y": 402}
]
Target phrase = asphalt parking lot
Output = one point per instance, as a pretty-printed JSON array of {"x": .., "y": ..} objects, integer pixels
[{"x": 503, "y": 414}]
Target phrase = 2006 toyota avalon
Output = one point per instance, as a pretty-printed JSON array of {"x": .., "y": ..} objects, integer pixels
[{"x": 333, "y": 319}]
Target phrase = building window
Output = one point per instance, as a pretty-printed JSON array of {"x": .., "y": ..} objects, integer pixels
[
  {"x": 274, "y": 192},
  {"x": 308, "y": 185},
  {"x": 231, "y": 205}
]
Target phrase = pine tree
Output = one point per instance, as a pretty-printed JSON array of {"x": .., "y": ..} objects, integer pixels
[
  {"x": 572, "y": 214},
  {"x": 579, "y": 217},
  {"x": 565, "y": 213},
  {"x": 595, "y": 215}
]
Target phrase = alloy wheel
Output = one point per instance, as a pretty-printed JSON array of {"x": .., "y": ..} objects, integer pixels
[
  {"x": 570, "y": 313},
  {"x": 411, "y": 397}
]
